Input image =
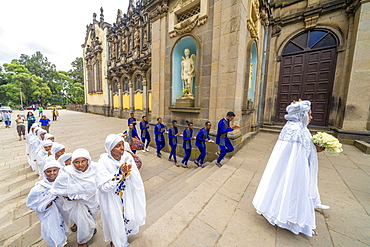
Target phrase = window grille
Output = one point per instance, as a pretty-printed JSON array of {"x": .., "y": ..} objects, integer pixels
[{"x": 188, "y": 13}]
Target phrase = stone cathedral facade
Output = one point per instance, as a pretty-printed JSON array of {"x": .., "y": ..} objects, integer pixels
[{"x": 197, "y": 59}]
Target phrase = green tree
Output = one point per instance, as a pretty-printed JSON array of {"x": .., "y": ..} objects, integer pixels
[
  {"x": 17, "y": 77},
  {"x": 76, "y": 73}
]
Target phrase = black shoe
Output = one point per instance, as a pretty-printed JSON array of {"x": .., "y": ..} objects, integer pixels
[
  {"x": 202, "y": 166},
  {"x": 159, "y": 156},
  {"x": 95, "y": 231},
  {"x": 218, "y": 164},
  {"x": 196, "y": 162}
]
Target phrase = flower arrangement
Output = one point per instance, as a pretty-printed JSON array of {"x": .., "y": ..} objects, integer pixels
[
  {"x": 327, "y": 142},
  {"x": 185, "y": 91}
]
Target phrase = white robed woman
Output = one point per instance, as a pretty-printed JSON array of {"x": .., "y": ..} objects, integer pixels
[
  {"x": 29, "y": 139},
  {"x": 42, "y": 156},
  {"x": 121, "y": 193},
  {"x": 54, "y": 230},
  {"x": 77, "y": 185},
  {"x": 287, "y": 193}
]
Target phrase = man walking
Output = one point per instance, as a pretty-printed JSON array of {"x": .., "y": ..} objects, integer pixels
[
  {"x": 41, "y": 111},
  {"x": 132, "y": 120},
  {"x": 145, "y": 135},
  {"x": 159, "y": 137},
  {"x": 221, "y": 138},
  {"x": 173, "y": 133},
  {"x": 200, "y": 142}
]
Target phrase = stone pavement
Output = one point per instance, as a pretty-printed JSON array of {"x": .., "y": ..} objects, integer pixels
[{"x": 194, "y": 206}]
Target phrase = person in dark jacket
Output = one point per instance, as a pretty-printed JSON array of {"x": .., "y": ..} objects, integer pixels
[
  {"x": 186, "y": 145},
  {"x": 159, "y": 136},
  {"x": 200, "y": 142},
  {"x": 173, "y": 133}
]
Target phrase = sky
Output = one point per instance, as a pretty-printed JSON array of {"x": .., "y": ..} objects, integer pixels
[{"x": 55, "y": 28}]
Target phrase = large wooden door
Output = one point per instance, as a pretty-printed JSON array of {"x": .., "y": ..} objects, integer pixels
[{"x": 307, "y": 73}]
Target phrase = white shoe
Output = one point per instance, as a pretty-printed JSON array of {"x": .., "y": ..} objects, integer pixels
[
  {"x": 143, "y": 150},
  {"x": 147, "y": 150},
  {"x": 321, "y": 206}
]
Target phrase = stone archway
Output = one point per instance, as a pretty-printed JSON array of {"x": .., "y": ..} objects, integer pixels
[{"x": 307, "y": 72}]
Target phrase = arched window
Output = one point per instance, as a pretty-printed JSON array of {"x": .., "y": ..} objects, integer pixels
[
  {"x": 311, "y": 40},
  {"x": 125, "y": 85},
  {"x": 115, "y": 87},
  {"x": 138, "y": 82},
  {"x": 250, "y": 86}
]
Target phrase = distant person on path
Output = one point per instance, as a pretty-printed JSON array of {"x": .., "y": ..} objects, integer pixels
[
  {"x": 145, "y": 135},
  {"x": 21, "y": 128},
  {"x": 54, "y": 229},
  {"x": 221, "y": 138},
  {"x": 45, "y": 123},
  {"x": 41, "y": 111},
  {"x": 287, "y": 193},
  {"x": 34, "y": 107},
  {"x": 200, "y": 142},
  {"x": 121, "y": 193},
  {"x": 55, "y": 113},
  {"x": 159, "y": 136},
  {"x": 77, "y": 185},
  {"x": 186, "y": 145},
  {"x": 7, "y": 119},
  {"x": 131, "y": 134},
  {"x": 31, "y": 119},
  {"x": 173, "y": 133},
  {"x": 132, "y": 120}
]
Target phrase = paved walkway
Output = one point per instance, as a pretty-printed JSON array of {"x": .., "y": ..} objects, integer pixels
[{"x": 194, "y": 207}]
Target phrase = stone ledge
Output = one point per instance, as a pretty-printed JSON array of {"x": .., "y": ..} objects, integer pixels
[
  {"x": 363, "y": 146},
  {"x": 195, "y": 110}
]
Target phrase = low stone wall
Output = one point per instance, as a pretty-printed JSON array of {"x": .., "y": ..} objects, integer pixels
[{"x": 76, "y": 107}]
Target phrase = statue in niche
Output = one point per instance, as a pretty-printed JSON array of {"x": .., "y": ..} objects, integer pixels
[
  {"x": 137, "y": 37},
  {"x": 124, "y": 49},
  {"x": 188, "y": 74},
  {"x": 112, "y": 50}
]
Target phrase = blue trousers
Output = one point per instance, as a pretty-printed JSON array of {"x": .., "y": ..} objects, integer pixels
[
  {"x": 225, "y": 149},
  {"x": 187, "y": 156},
  {"x": 202, "y": 155},
  {"x": 173, "y": 153},
  {"x": 147, "y": 138},
  {"x": 160, "y": 145}
]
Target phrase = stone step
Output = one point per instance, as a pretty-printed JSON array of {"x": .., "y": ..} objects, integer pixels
[
  {"x": 20, "y": 190},
  {"x": 14, "y": 210},
  {"x": 183, "y": 212},
  {"x": 14, "y": 181},
  {"x": 159, "y": 190}
]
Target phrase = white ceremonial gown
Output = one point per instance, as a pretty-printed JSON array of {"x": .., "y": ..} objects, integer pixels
[
  {"x": 288, "y": 187},
  {"x": 54, "y": 230},
  {"x": 79, "y": 191},
  {"x": 121, "y": 199}
]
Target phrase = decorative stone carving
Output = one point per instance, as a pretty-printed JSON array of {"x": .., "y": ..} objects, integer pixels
[
  {"x": 276, "y": 29},
  {"x": 311, "y": 20},
  {"x": 252, "y": 29},
  {"x": 186, "y": 15}
]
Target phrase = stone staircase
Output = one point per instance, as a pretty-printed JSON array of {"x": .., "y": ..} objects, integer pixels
[{"x": 166, "y": 185}]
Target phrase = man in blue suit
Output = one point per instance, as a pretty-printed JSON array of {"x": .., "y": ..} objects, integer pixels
[{"x": 221, "y": 138}]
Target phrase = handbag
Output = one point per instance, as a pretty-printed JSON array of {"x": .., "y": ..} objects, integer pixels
[
  {"x": 137, "y": 160},
  {"x": 136, "y": 144}
]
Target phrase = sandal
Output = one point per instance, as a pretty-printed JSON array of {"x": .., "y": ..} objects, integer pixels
[
  {"x": 314, "y": 233},
  {"x": 74, "y": 228}
]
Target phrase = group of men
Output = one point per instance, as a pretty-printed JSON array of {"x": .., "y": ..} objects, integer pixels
[{"x": 201, "y": 138}]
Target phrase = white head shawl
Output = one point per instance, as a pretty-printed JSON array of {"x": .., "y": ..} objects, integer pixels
[
  {"x": 41, "y": 131},
  {"x": 62, "y": 159},
  {"x": 56, "y": 148},
  {"x": 76, "y": 184},
  {"x": 297, "y": 111},
  {"x": 47, "y": 143},
  {"x": 110, "y": 142},
  {"x": 47, "y": 136}
]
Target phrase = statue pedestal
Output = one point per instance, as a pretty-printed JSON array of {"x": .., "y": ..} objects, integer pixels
[{"x": 184, "y": 103}]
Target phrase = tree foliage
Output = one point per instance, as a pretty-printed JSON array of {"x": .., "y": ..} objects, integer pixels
[{"x": 39, "y": 82}]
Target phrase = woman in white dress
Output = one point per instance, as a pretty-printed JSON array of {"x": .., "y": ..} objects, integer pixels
[
  {"x": 287, "y": 193},
  {"x": 77, "y": 185},
  {"x": 120, "y": 193},
  {"x": 42, "y": 156},
  {"x": 54, "y": 230}
]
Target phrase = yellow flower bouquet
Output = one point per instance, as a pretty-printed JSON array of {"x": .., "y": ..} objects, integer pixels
[{"x": 327, "y": 142}]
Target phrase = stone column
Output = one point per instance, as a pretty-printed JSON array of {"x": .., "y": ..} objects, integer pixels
[
  {"x": 145, "y": 96},
  {"x": 130, "y": 84},
  {"x": 111, "y": 103},
  {"x": 358, "y": 101},
  {"x": 120, "y": 103}
]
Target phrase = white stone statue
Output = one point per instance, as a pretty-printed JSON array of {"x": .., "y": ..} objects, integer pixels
[{"x": 188, "y": 74}]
